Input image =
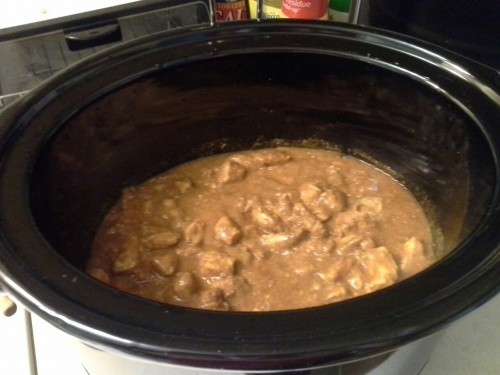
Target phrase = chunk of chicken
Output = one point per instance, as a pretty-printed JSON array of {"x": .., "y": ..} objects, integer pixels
[
  {"x": 380, "y": 269},
  {"x": 310, "y": 193},
  {"x": 215, "y": 264},
  {"x": 321, "y": 248},
  {"x": 253, "y": 243},
  {"x": 334, "y": 176},
  {"x": 371, "y": 205},
  {"x": 337, "y": 271},
  {"x": 213, "y": 299},
  {"x": 348, "y": 244},
  {"x": 166, "y": 264},
  {"x": 169, "y": 210},
  {"x": 227, "y": 230},
  {"x": 413, "y": 258},
  {"x": 322, "y": 203},
  {"x": 334, "y": 200},
  {"x": 265, "y": 218},
  {"x": 194, "y": 232},
  {"x": 184, "y": 185},
  {"x": 272, "y": 157},
  {"x": 128, "y": 256},
  {"x": 354, "y": 277},
  {"x": 162, "y": 240},
  {"x": 230, "y": 285},
  {"x": 283, "y": 240},
  {"x": 303, "y": 217},
  {"x": 353, "y": 222},
  {"x": 231, "y": 171},
  {"x": 336, "y": 292},
  {"x": 185, "y": 285},
  {"x": 369, "y": 271},
  {"x": 99, "y": 274}
]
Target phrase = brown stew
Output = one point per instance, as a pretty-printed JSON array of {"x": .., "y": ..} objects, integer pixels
[{"x": 272, "y": 229}]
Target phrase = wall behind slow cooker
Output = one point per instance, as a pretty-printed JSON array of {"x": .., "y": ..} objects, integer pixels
[{"x": 471, "y": 28}]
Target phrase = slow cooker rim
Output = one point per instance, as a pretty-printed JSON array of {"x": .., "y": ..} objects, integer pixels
[{"x": 14, "y": 288}]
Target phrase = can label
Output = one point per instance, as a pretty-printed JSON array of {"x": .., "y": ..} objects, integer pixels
[
  {"x": 339, "y": 10},
  {"x": 231, "y": 10},
  {"x": 305, "y": 9},
  {"x": 271, "y": 9}
]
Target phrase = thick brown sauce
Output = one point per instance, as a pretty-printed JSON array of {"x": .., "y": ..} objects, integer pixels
[{"x": 263, "y": 230}]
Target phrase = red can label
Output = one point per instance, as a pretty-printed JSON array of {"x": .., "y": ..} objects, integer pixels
[
  {"x": 231, "y": 10},
  {"x": 305, "y": 9}
]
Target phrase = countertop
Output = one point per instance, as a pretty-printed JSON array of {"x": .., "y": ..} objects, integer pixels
[
  {"x": 470, "y": 346},
  {"x": 21, "y": 12}
]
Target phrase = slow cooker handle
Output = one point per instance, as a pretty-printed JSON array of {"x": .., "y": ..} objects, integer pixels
[
  {"x": 83, "y": 38},
  {"x": 7, "y": 306}
]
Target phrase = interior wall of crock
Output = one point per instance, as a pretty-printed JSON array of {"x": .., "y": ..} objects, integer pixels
[{"x": 250, "y": 101}]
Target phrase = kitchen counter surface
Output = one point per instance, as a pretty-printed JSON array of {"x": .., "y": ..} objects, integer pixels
[
  {"x": 20, "y": 12},
  {"x": 470, "y": 346}
]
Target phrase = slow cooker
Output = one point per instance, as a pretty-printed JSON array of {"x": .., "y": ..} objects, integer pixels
[{"x": 425, "y": 115}]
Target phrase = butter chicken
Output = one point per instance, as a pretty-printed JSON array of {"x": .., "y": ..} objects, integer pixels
[{"x": 270, "y": 229}]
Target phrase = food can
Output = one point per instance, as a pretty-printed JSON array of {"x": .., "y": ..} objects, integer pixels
[
  {"x": 271, "y": 9},
  {"x": 339, "y": 10},
  {"x": 305, "y": 9},
  {"x": 231, "y": 10}
]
